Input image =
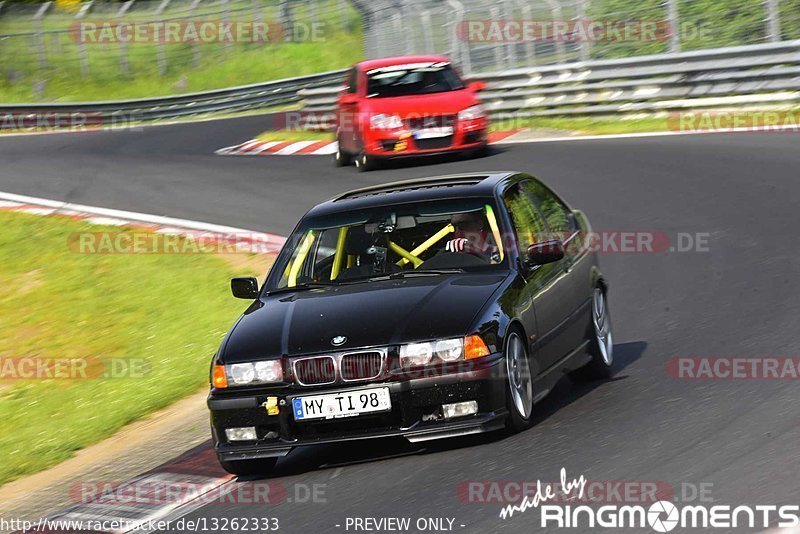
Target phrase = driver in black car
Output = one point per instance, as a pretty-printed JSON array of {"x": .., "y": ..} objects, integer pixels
[{"x": 471, "y": 236}]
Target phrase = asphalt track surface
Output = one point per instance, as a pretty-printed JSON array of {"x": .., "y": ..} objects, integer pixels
[{"x": 740, "y": 298}]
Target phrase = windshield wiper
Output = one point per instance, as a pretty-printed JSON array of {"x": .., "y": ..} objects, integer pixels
[
  {"x": 426, "y": 272},
  {"x": 300, "y": 287}
]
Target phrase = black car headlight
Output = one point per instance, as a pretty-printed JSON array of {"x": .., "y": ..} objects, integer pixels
[
  {"x": 251, "y": 373},
  {"x": 442, "y": 351}
]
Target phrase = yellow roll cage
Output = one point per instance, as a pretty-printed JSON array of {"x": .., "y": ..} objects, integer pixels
[{"x": 406, "y": 256}]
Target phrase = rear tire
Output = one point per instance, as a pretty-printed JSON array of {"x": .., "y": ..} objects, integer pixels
[
  {"x": 260, "y": 466},
  {"x": 601, "y": 342},
  {"x": 341, "y": 158},
  {"x": 519, "y": 384}
]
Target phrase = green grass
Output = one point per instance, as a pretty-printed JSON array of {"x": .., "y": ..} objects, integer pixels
[
  {"x": 189, "y": 68},
  {"x": 171, "y": 310},
  {"x": 588, "y": 125}
]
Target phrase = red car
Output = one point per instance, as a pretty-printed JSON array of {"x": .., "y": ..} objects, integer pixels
[{"x": 407, "y": 106}]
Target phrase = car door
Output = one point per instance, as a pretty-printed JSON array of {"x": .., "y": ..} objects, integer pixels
[
  {"x": 346, "y": 112},
  {"x": 543, "y": 307},
  {"x": 571, "y": 308}
]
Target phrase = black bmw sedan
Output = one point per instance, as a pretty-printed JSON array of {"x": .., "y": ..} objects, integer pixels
[{"x": 426, "y": 309}]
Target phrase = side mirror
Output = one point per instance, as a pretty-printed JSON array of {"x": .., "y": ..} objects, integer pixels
[
  {"x": 476, "y": 87},
  {"x": 544, "y": 252},
  {"x": 244, "y": 287},
  {"x": 348, "y": 99}
]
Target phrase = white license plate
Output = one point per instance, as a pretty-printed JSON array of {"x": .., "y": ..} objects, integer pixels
[
  {"x": 429, "y": 133},
  {"x": 344, "y": 404}
]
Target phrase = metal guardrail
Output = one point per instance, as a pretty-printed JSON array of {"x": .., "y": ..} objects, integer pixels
[
  {"x": 767, "y": 74},
  {"x": 248, "y": 97},
  {"x": 757, "y": 74}
]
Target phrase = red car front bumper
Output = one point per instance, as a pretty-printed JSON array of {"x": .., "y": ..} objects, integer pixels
[{"x": 466, "y": 135}]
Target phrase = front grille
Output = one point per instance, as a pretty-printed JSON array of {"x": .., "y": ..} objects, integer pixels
[
  {"x": 432, "y": 121},
  {"x": 361, "y": 365},
  {"x": 434, "y": 143},
  {"x": 315, "y": 371}
]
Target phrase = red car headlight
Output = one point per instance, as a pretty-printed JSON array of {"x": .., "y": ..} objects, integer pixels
[
  {"x": 382, "y": 121},
  {"x": 472, "y": 113}
]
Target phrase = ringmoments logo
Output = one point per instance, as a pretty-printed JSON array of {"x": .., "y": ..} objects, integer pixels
[{"x": 660, "y": 516}]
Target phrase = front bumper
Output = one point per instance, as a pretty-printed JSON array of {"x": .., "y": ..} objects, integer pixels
[
  {"x": 400, "y": 143},
  {"x": 415, "y": 414}
]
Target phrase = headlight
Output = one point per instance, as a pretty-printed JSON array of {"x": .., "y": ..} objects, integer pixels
[
  {"x": 382, "y": 121},
  {"x": 416, "y": 354},
  {"x": 444, "y": 350},
  {"x": 471, "y": 113},
  {"x": 266, "y": 372},
  {"x": 449, "y": 350}
]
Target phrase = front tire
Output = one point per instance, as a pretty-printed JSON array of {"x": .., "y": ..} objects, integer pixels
[
  {"x": 519, "y": 384},
  {"x": 601, "y": 341},
  {"x": 364, "y": 163},
  {"x": 260, "y": 466}
]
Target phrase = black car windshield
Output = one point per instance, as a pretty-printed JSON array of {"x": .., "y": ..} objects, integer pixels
[
  {"x": 412, "y": 79},
  {"x": 401, "y": 240}
]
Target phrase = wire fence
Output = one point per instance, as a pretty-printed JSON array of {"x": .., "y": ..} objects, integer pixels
[
  {"x": 140, "y": 39},
  {"x": 494, "y": 35}
]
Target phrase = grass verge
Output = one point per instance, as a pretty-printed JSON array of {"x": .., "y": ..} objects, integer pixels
[{"x": 166, "y": 313}]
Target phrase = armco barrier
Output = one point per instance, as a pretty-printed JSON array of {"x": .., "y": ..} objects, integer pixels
[{"x": 767, "y": 74}]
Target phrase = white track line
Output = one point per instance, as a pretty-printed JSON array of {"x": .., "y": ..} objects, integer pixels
[
  {"x": 121, "y": 214},
  {"x": 330, "y": 148},
  {"x": 294, "y": 147}
]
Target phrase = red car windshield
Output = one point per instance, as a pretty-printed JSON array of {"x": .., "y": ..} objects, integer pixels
[{"x": 412, "y": 79}]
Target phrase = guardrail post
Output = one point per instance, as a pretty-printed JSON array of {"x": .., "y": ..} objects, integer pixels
[
  {"x": 226, "y": 19},
  {"x": 427, "y": 30},
  {"x": 313, "y": 14},
  {"x": 287, "y": 19},
  {"x": 773, "y": 21},
  {"x": 124, "y": 65},
  {"x": 497, "y": 48},
  {"x": 397, "y": 30},
  {"x": 41, "y": 46},
  {"x": 195, "y": 44},
  {"x": 586, "y": 44},
  {"x": 162, "y": 6},
  {"x": 674, "y": 26},
  {"x": 341, "y": 7},
  {"x": 555, "y": 10},
  {"x": 460, "y": 50},
  {"x": 83, "y": 54},
  {"x": 530, "y": 45},
  {"x": 511, "y": 46}
]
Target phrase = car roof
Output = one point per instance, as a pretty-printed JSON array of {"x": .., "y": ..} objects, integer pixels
[
  {"x": 471, "y": 185},
  {"x": 370, "y": 64}
]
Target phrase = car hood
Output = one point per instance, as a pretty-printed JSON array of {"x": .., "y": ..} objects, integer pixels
[
  {"x": 374, "y": 313},
  {"x": 449, "y": 103}
]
